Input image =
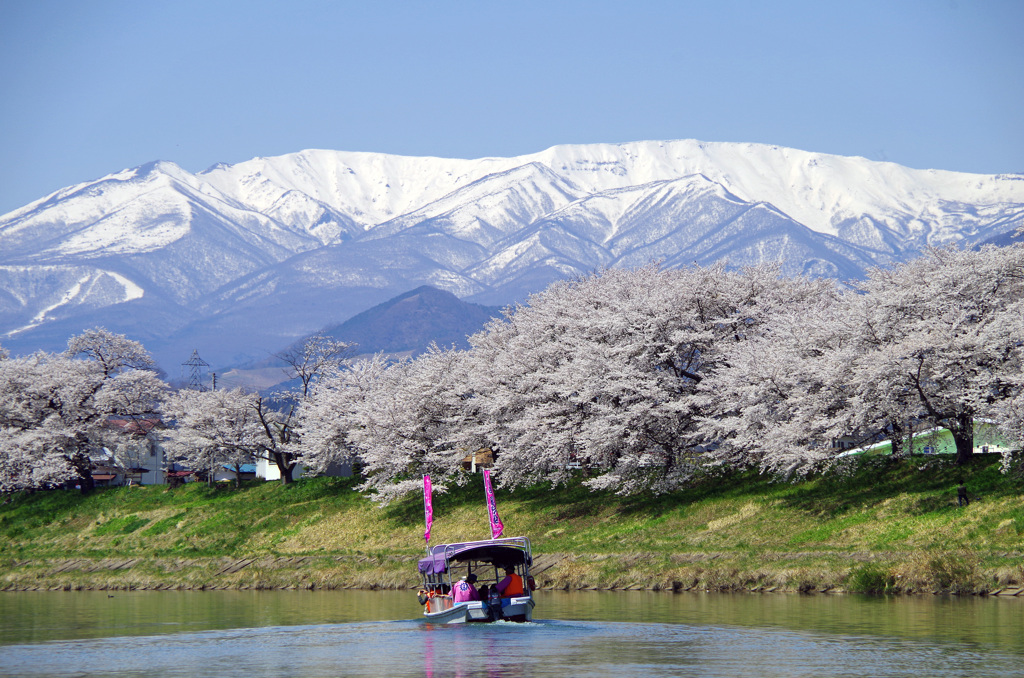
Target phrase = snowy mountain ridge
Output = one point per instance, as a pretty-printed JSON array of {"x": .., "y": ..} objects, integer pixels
[
  {"x": 314, "y": 237},
  {"x": 816, "y": 189}
]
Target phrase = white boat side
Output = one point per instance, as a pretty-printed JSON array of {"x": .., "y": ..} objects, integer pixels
[{"x": 441, "y": 610}]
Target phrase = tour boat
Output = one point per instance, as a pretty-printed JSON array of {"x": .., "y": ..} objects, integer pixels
[{"x": 487, "y": 560}]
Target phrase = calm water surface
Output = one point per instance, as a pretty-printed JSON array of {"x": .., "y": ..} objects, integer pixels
[{"x": 622, "y": 634}]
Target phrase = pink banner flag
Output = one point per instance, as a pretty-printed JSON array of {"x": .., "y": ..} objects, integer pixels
[
  {"x": 428, "y": 506},
  {"x": 492, "y": 510}
]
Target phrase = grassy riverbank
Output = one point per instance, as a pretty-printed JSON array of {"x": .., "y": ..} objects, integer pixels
[{"x": 885, "y": 525}]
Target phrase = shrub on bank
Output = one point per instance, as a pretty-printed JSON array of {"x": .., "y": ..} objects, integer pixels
[{"x": 871, "y": 578}]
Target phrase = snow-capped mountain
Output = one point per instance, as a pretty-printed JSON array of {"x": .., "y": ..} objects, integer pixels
[{"x": 239, "y": 260}]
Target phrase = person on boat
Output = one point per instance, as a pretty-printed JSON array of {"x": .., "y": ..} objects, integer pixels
[
  {"x": 511, "y": 585},
  {"x": 464, "y": 591}
]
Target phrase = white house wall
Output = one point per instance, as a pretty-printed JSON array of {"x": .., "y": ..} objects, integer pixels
[{"x": 267, "y": 470}]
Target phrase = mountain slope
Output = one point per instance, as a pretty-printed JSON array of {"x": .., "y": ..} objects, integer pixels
[
  {"x": 240, "y": 260},
  {"x": 410, "y": 322},
  {"x": 404, "y": 326}
]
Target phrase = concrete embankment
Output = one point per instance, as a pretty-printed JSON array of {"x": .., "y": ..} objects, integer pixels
[{"x": 258, "y": 572}]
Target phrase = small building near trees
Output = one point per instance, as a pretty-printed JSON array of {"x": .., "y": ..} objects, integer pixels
[{"x": 988, "y": 439}]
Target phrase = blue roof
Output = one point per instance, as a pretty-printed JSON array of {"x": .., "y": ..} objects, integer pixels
[{"x": 246, "y": 468}]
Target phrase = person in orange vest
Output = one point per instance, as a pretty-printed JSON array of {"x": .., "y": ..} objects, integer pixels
[{"x": 511, "y": 585}]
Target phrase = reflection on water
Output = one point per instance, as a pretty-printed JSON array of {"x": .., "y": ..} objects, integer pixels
[
  {"x": 232, "y": 633},
  {"x": 966, "y": 619},
  {"x": 37, "y": 616}
]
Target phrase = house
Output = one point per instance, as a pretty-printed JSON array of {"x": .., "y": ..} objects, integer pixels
[
  {"x": 227, "y": 473},
  {"x": 844, "y": 443},
  {"x": 138, "y": 453},
  {"x": 267, "y": 470},
  {"x": 104, "y": 475}
]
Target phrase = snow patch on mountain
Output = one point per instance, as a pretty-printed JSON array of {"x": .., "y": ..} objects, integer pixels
[{"x": 61, "y": 290}]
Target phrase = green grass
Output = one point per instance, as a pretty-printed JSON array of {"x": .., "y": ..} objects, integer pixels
[
  {"x": 120, "y": 525},
  {"x": 882, "y": 524}
]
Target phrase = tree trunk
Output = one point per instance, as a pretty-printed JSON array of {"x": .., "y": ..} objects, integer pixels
[
  {"x": 83, "y": 467},
  {"x": 284, "y": 467},
  {"x": 86, "y": 483},
  {"x": 896, "y": 439},
  {"x": 963, "y": 436}
]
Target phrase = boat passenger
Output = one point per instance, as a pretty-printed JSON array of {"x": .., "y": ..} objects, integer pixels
[
  {"x": 464, "y": 591},
  {"x": 512, "y": 584}
]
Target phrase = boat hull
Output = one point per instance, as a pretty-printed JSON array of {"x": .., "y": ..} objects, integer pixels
[{"x": 512, "y": 609}]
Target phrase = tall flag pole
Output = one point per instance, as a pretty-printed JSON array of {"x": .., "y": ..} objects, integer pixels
[
  {"x": 492, "y": 510},
  {"x": 428, "y": 508}
]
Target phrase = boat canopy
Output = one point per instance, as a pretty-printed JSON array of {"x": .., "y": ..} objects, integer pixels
[{"x": 497, "y": 552}]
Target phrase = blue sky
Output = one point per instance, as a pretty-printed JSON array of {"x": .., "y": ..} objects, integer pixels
[{"x": 91, "y": 87}]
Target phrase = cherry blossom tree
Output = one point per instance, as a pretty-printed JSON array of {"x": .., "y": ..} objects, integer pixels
[
  {"x": 940, "y": 338},
  {"x": 605, "y": 372},
  {"x": 1009, "y": 413},
  {"x": 647, "y": 377},
  {"x": 780, "y": 398},
  {"x": 30, "y": 452},
  {"x": 277, "y": 415},
  {"x": 339, "y": 405},
  {"x": 113, "y": 353},
  {"x": 27, "y": 462},
  {"x": 309, "y": 362},
  {"x": 400, "y": 420},
  {"x": 212, "y": 429},
  {"x": 53, "y": 408},
  {"x": 933, "y": 342}
]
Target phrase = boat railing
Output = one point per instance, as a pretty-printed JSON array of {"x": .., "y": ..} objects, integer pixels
[{"x": 517, "y": 542}]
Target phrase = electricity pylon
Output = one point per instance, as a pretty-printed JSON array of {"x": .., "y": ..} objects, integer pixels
[{"x": 195, "y": 380}]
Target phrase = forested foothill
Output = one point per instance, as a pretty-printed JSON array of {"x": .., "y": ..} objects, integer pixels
[{"x": 641, "y": 380}]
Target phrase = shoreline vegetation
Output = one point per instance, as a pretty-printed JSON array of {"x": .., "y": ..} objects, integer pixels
[{"x": 881, "y": 525}]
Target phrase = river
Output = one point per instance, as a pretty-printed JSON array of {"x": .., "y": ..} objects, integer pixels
[{"x": 622, "y": 634}]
